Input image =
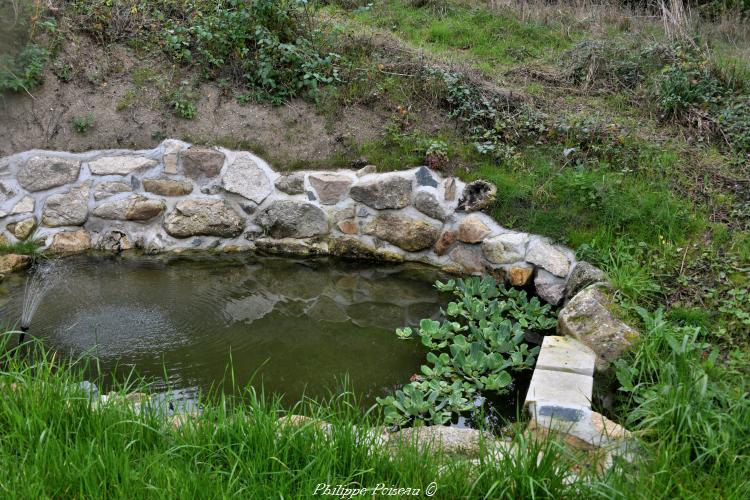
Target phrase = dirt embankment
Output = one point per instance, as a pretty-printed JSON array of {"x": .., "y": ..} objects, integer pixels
[{"x": 128, "y": 111}]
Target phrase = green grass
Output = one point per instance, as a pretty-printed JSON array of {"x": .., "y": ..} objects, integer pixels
[
  {"x": 488, "y": 38},
  {"x": 55, "y": 446}
]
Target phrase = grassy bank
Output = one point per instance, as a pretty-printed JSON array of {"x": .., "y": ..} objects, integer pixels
[{"x": 691, "y": 416}]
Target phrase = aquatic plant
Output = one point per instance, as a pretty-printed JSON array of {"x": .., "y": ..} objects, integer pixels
[{"x": 474, "y": 349}]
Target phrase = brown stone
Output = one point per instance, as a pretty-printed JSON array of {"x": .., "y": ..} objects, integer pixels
[
  {"x": 413, "y": 235},
  {"x": 469, "y": 258},
  {"x": 347, "y": 226},
  {"x": 167, "y": 187},
  {"x": 473, "y": 229},
  {"x": 201, "y": 162},
  {"x": 330, "y": 188},
  {"x": 13, "y": 262},
  {"x": 71, "y": 242},
  {"x": 519, "y": 275},
  {"x": 447, "y": 239}
]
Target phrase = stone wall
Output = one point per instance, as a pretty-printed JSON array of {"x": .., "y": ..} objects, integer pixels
[{"x": 179, "y": 197}]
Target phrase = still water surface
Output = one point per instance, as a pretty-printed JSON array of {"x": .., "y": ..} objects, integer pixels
[{"x": 293, "y": 327}]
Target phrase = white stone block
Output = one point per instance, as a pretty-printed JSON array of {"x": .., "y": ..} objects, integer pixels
[
  {"x": 561, "y": 388},
  {"x": 566, "y": 354}
]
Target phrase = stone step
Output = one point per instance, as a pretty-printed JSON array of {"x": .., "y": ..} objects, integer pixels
[
  {"x": 566, "y": 354},
  {"x": 561, "y": 388}
]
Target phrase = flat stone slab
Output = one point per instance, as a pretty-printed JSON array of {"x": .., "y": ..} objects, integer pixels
[
  {"x": 560, "y": 388},
  {"x": 565, "y": 354},
  {"x": 120, "y": 165}
]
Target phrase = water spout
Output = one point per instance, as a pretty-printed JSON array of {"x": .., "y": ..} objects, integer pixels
[{"x": 43, "y": 277}]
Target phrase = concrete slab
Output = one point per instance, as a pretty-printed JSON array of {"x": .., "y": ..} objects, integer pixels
[
  {"x": 561, "y": 388},
  {"x": 566, "y": 354}
]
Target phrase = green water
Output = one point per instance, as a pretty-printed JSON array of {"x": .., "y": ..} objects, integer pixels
[{"x": 293, "y": 327}]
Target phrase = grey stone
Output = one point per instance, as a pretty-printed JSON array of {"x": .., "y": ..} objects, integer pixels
[
  {"x": 203, "y": 217},
  {"x": 311, "y": 196},
  {"x": 477, "y": 196},
  {"x": 589, "y": 317},
  {"x": 412, "y": 235},
  {"x": 583, "y": 275},
  {"x": 133, "y": 208},
  {"x": 425, "y": 178},
  {"x": 546, "y": 256},
  {"x": 292, "y": 219},
  {"x": 201, "y": 162},
  {"x": 580, "y": 427},
  {"x": 113, "y": 241},
  {"x": 291, "y": 184},
  {"x": 6, "y": 192},
  {"x": 505, "y": 248},
  {"x": 135, "y": 183},
  {"x": 247, "y": 179},
  {"x": 450, "y": 440},
  {"x": 107, "y": 189},
  {"x": 165, "y": 186},
  {"x": 330, "y": 188},
  {"x": 45, "y": 172},
  {"x": 120, "y": 165},
  {"x": 449, "y": 189},
  {"x": 469, "y": 258},
  {"x": 26, "y": 205},
  {"x": 428, "y": 204},
  {"x": 390, "y": 192},
  {"x": 367, "y": 169},
  {"x": 549, "y": 287},
  {"x": 69, "y": 209}
]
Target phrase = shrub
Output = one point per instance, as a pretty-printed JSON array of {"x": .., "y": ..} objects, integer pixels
[
  {"x": 23, "y": 71},
  {"x": 271, "y": 46},
  {"x": 734, "y": 121}
]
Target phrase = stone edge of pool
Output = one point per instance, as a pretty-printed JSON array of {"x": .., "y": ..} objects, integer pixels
[{"x": 180, "y": 198}]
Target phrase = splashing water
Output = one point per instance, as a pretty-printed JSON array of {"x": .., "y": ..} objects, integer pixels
[{"x": 43, "y": 277}]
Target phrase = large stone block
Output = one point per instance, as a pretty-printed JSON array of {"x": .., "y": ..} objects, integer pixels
[
  {"x": 203, "y": 217},
  {"x": 389, "y": 192},
  {"x": 120, "y": 165},
  {"x": 45, "y": 172},
  {"x": 560, "y": 388},
  {"x": 292, "y": 219},
  {"x": 134, "y": 208},
  {"x": 247, "y": 179},
  {"x": 68, "y": 209},
  {"x": 589, "y": 318},
  {"x": 412, "y": 235}
]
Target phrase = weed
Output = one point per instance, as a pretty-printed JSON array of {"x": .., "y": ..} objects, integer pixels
[
  {"x": 24, "y": 71},
  {"x": 182, "y": 102},
  {"x": 83, "y": 124}
]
